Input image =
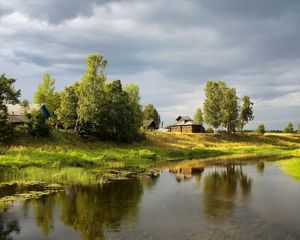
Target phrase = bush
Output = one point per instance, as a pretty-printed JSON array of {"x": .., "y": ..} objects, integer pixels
[
  {"x": 37, "y": 125},
  {"x": 146, "y": 154},
  {"x": 298, "y": 132},
  {"x": 209, "y": 130},
  {"x": 289, "y": 128},
  {"x": 260, "y": 129}
]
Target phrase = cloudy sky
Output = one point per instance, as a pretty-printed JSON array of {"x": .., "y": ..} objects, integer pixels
[{"x": 170, "y": 48}]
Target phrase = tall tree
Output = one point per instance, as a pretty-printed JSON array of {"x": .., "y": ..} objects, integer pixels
[
  {"x": 150, "y": 113},
  {"x": 67, "y": 112},
  {"x": 91, "y": 94},
  {"x": 133, "y": 92},
  {"x": 229, "y": 107},
  {"x": 198, "y": 117},
  {"x": 47, "y": 95},
  {"x": 8, "y": 94},
  {"x": 246, "y": 113},
  {"x": 289, "y": 128},
  {"x": 212, "y": 104}
]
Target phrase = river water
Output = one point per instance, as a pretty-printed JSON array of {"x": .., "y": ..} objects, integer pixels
[{"x": 223, "y": 202}]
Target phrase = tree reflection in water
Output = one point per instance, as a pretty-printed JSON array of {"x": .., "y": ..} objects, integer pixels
[
  {"x": 7, "y": 226},
  {"x": 92, "y": 210},
  {"x": 221, "y": 189}
]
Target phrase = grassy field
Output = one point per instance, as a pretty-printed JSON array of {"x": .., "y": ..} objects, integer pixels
[{"x": 65, "y": 158}]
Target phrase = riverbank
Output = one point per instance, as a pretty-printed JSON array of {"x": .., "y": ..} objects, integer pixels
[{"x": 65, "y": 158}]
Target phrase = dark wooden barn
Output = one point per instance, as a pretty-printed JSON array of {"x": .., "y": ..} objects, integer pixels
[{"x": 186, "y": 124}]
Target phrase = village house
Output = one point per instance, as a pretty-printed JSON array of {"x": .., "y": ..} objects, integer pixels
[
  {"x": 17, "y": 113},
  {"x": 150, "y": 125},
  {"x": 186, "y": 124}
]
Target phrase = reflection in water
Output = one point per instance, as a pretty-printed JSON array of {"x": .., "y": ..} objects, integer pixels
[
  {"x": 8, "y": 226},
  {"x": 220, "y": 190},
  {"x": 221, "y": 202},
  {"x": 90, "y": 209},
  {"x": 260, "y": 166}
]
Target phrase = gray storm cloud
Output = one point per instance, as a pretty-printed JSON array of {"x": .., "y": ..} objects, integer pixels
[{"x": 169, "y": 48}]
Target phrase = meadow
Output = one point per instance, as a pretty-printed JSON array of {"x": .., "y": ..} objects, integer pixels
[{"x": 67, "y": 159}]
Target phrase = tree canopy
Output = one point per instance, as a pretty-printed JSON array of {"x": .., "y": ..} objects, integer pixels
[
  {"x": 198, "y": 117},
  {"x": 221, "y": 107},
  {"x": 150, "y": 113},
  {"x": 46, "y": 94},
  {"x": 8, "y": 94}
]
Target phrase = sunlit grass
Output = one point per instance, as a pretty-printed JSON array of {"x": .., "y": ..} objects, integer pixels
[
  {"x": 291, "y": 167},
  {"x": 66, "y": 158}
]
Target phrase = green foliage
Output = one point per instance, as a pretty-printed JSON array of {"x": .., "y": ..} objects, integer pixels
[
  {"x": 37, "y": 125},
  {"x": 260, "y": 129},
  {"x": 67, "y": 112},
  {"x": 104, "y": 108},
  {"x": 8, "y": 94},
  {"x": 198, "y": 117},
  {"x": 24, "y": 106},
  {"x": 289, "y": 128},
  {"x": 212, "y": 104},
  {"x": 229, "y": 107},
  {"x": 150, "y": 112},
  {"x": 133, "y": 92},
  {"x": 246, "y": 113},
  {"x": 47, "y": 95},
  {"x": 298, "y": 131},
  {"x": 221, "y": 107}
]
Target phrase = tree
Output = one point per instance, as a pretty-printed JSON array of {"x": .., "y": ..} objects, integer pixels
[
  {"x": 229, "y": 107},
  {"x": 212, "y": 104},
  {"x": 260, "y": 129},
  {"x": 47, "y": 95},
  {"x": 8, "y": 94},
  {"x": 198, "y": 117},
  {"x": 24, "y": 106},
  {"x": 298, "y": 132},
  {"x": 91, "y": 94},
  {"x": 150, "y": 113},
  {"x": 133, "y": 92},
  {"x": 289, "y": 128},
  {"x": 37, "y": 125},
  {"x": 104, "y": 108},
  {"x": 67, "y": 112},
  {"x": 246, "y": 113}
]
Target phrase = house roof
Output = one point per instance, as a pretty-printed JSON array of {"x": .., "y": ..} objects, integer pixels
[
  {"x": 147, "y": 123},
  {"x": 17, "y": 118},
  {"x": 16, "y": 109},
  {"x": 183, "y": 118}
]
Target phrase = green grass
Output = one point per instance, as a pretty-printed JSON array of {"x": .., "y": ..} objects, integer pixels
[
  {"x": 65, "y": 158},
  {"x": 291, "y": 167}
]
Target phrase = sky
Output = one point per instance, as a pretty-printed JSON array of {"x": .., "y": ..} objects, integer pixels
[{"x": 170, "y": 48}]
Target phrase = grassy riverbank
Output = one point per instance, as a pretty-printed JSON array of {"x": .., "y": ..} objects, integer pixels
[{"x": 65, "y": 158}]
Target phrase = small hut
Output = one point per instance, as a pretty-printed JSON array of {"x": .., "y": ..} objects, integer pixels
[{"x": 149, "y": 125}]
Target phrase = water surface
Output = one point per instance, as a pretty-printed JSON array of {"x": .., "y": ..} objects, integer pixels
[{"x": 253, "y": 201}]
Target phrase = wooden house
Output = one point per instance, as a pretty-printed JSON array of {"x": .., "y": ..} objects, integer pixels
[
  {"x": 18, "y": 116},
  {"x": 186, "y": 124},
  {"x": 149, "y": 125}
]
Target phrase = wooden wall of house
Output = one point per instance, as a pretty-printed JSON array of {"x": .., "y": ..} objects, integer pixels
[
  {"x": 187, "y": 129},
  {"x": 175, "y": 128}
]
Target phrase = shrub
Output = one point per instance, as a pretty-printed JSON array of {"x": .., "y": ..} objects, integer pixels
[
  {"x": 37, "y": 125},
  {"x": 147, "y": 154},
  {"x": 260, "y": 129},
  {"x": 289, "y": 128},
  {"x": 298, "y": 132}
]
